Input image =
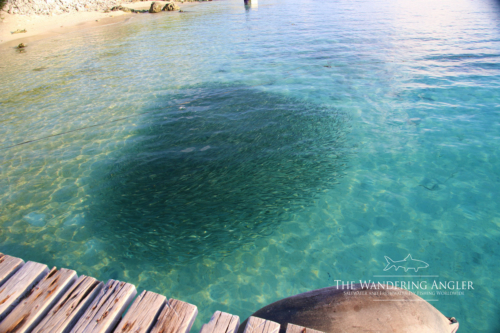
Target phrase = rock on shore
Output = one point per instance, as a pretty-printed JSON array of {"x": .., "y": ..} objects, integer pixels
[
  {"x": 49, "y": 7},
  {"x": 155, "y": 7},
  {"x": 170, "y": 7}
]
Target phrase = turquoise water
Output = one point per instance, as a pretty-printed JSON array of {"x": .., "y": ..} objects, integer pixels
[{"x": 231, "y": 156}]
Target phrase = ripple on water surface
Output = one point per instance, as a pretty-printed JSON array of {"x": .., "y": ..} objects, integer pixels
[
  {"x": 231, "y": 156},
  {"x": 207, "y": 175}
]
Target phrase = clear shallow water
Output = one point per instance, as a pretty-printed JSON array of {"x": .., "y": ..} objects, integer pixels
[{"x": 249, "y": 155}]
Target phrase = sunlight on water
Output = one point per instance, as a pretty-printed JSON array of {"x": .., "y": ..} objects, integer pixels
[{"x": 234, "y": 155}]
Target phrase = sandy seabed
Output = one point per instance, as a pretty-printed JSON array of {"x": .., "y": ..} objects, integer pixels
[{"x": 41, "y": 26}]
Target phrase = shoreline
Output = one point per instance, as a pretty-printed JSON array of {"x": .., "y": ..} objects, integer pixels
[{"x": 43, "y": 26}]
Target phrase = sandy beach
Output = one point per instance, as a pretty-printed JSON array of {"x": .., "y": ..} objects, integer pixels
[{"x": 42, "y": 26}]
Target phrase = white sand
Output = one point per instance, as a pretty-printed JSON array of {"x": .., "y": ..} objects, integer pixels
[{"x": 41, "y": 26}]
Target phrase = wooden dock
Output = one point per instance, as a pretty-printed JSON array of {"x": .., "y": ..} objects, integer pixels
[{"x": 34, "y": 299}]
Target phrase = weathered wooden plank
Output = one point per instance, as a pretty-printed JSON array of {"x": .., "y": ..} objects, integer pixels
[
  {"x": 143, "y": 313},
  {"x": 292, "y": 328},
  {"x": 258, "y": 325},
  {"x": 35, "y": 306},
  {"x": 176, "y": 317},
  {"x": 221, "y": 322},
  {"x": 64, "y": 315},
  {"x": 19, "y": 285},
  {"x": 8, "y": 266},
  {"x": 106, "y": 309}
]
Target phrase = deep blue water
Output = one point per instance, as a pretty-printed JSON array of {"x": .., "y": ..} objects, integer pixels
[{"x": 231, "y": 156}]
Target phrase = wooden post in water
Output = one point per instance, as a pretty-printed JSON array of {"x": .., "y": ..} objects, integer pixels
[{"x": 251, "y": 4}]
